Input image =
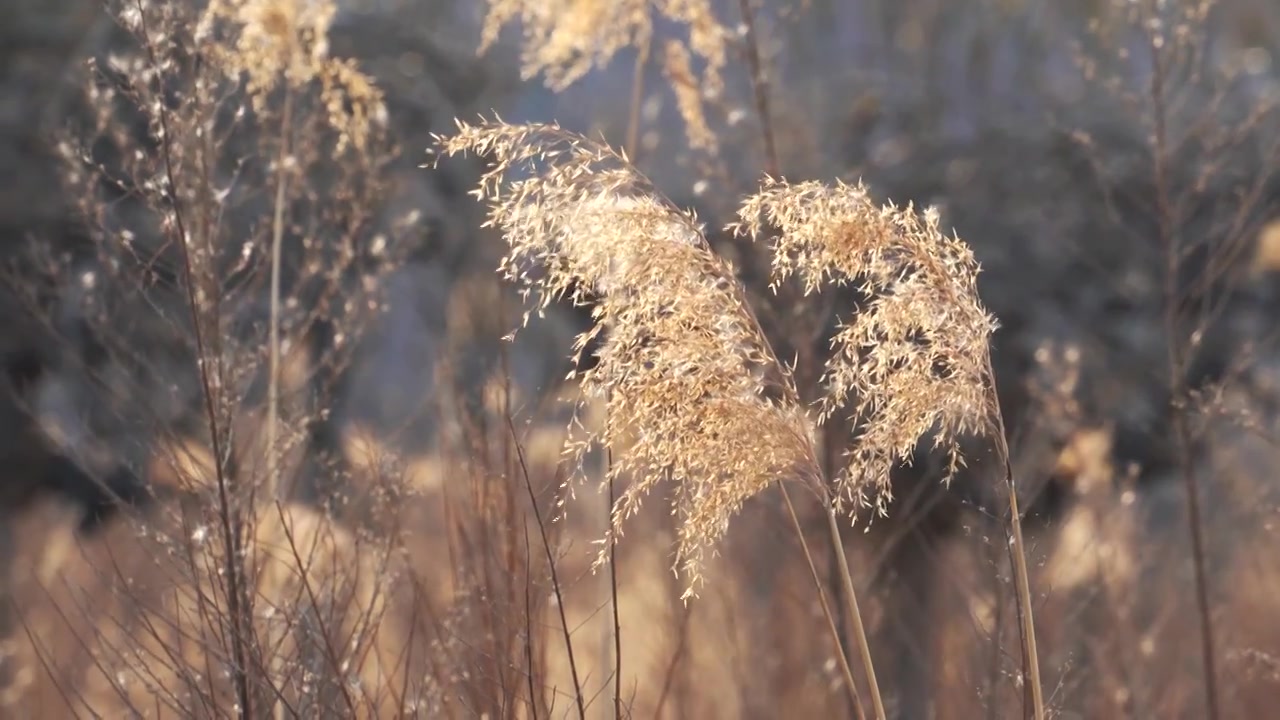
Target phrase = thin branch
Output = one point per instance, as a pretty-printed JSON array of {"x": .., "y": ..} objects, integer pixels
[
  {"x": 555, "y": 576},
  {"x": 230, "y": 534},
  {"x": 760, "y": 89},
  {"x": 1177, "y": 372}
]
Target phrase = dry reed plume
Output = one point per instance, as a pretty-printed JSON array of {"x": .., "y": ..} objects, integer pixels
[
  {"x": 691, "y": 388},
  {"x": 693, "y": 391},
  {"x": 566, "y": 39},
  {"x": 285, "y": 42},
  {"x": 914, "y": 359}
]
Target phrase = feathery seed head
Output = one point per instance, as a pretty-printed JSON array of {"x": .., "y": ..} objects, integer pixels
[
  {"x": 915, "y": 358},
  {"x": 566, "y": 39},
  {"x": 275, "y": 42},
  {"x": 692, "y": 392}
]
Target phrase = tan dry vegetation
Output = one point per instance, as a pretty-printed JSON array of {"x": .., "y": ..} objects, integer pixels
[
  {"x": 129, "y": 622},
  {"x": 476, "y": 579}
]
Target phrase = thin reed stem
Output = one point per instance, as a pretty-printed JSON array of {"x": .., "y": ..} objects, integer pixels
[
  {"x": 1173, "y": 252},
  {"x": 229, "y": 527},
  {"x": 760, "y": 89},
  {"x": 528, "y": 622},
  {"x": 1018, "y": 559},
  {"x": 855, "y": 615},
  {"x": 826, "y": 606},
  {"x": 613, "y": 599},
  {"x": 277, "y": 243},
  {"x": 273, "y": 329},
  {"x": 637, "y": 99},
  {"x": 669, "y": 677},
  {"x": 551, "y": 563},
  {"x": 997, "y": 624}
]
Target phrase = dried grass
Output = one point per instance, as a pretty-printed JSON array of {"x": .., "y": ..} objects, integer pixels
[
  {"x": 690, "y": 386},
  {"x": 915, "y": 359},
  {"x": 690, "y": 383}
]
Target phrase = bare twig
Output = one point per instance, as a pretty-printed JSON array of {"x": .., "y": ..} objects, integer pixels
[
  {"x": 555, "y": 576},
  {"x": 229, "y": 527},
  {"x": 760, "y": 89},
  {"x": 304, "y": 575},
  {"x": 1177, "y": 370}
]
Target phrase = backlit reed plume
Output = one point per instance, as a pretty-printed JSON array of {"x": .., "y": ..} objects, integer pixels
[
  {"x": 914, "y": 359},
  {"x": 692, "y": 391},
  {"x": 275, "y": 42},
  {"x": 566, "y": 39}
]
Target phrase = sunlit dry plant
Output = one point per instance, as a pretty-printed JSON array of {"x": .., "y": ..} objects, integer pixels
[
  {"x": 566, "y": 39},
  {"x": 677, "y": 66},
  {"x": 286, "y": 41},
  {"x": 692, "y": 389},
  {"x": 914, "y": 359}
]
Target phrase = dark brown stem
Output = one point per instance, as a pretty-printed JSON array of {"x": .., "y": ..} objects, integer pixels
[
  {"x": 303, "y": 568},
  {"x": 613, "y": 600},
  {"x": 759, "y": 89},
  {"x": 669, "y": 678},
  {"x": 528, "y": 626},
  {"x": 551, "y": 563},
  {"x": 229, "y": 528},
  {"x": 1177, "y": 376}
]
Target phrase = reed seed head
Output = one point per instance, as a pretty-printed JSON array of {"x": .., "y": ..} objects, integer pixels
[
  {"x": 692, "y": 390},
  {"x": 914, "y": 359}
]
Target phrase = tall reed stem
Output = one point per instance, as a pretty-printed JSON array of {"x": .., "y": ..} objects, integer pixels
[
  {"x": 855, "y": 616},
  {"x": 826, "y": 606},
  {"x": 1018, "y": 559},
  {"x": 1173, "y": 254}
]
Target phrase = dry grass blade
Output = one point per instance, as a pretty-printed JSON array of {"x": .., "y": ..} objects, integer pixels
[
  {"x": 692, "y": 390},
  {"x": 914, "y": 360}
]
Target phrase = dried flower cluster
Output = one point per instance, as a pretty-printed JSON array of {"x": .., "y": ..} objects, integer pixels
[
  {"x": 677, "y": 66},
  {"x": 287, "y": 40},
  {"x": 692, "y": 391},
  {"x": 915, "y": 358},
  {"x": 566, "y": 39}
]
